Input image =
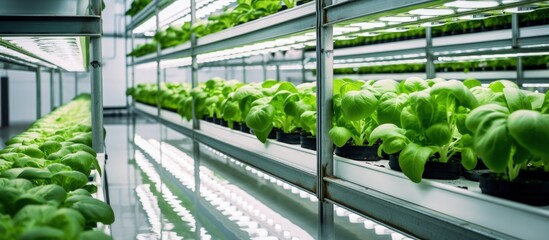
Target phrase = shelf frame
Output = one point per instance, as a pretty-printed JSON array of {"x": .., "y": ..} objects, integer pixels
[
  {"x": 47, "y": 25},
  {"x": 326, "y": 181}
]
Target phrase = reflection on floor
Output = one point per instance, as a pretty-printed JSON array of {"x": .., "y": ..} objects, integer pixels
[{"x": 151, "y": 187}]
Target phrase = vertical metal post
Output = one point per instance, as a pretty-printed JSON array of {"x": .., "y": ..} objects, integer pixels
[
  {"x": 158, "y": 70},
  {"x": 97, "y": 86},
  {"x": 264, "y": 67},
  {"x": 303, "y": 73},
  {"x": 60, "y": 87},
  {"x": 430, "y": 64},
  {"x": 132, "y": 58},
  {"x": 515, "y": 31},
  {"x": 126, "y": 81},
  {"x": 75, "y": 84},
  {"x": 277, "y": 72},
  {"x": 243, "y": 71},
  {"x": 52, "y": 97},
  {"x": 324, "y": 86},
  {"x": 38, "y": 94},
  {"x": 226, "y": 70},
  {"x": 196, "y": 123},
  {"x": 4, "y": 101}
]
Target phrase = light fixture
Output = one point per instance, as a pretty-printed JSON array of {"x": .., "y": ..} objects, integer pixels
[
  {"x": 521, "y": 9},
  {"x": 65, "y": 52},
  {"x": 472, "y": 4},
  {"x": 432, "y": 24},
  {"x": 344, "y": 38},
  {"x": 399, "y": 19},
  {"x": 432, "y": 11},
  {"x": 369, "y": 25},
  {"x": 367, "y": 34},
  {"x": 535, "y": 85},
  {"x": 398, "y": 29},
  {"x": 475, "y": 16},
  {"x": 340, "y": 30}
]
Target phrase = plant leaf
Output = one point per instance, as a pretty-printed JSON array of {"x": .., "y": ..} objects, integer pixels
[
  {"x": 439, "y": 134},
  {"x": 516, "y": 99},
  {"x": 412, "y": 160},
  {"x": 531, "y": 130},
  {"x": 340, "y": 135},
  {"x": 357, "y": 105}
]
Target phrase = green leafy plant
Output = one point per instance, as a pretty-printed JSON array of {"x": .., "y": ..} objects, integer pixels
[
  {"x": 430, "y": 124},
  {"x": 40, "y": 166},
  {"x": 509, "y": 134}
]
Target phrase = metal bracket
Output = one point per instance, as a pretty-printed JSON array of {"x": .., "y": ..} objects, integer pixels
[{"x": 95, "y": 64}]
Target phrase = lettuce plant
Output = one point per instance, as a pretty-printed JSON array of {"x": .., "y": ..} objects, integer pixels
[
  {"x": 429, "y": 125},
  {"x": 510, "y": 136},
  {"x": 356, "y": 109}
]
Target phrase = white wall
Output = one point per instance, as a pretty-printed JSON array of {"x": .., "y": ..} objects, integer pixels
[{"x": 22, "y": 92}]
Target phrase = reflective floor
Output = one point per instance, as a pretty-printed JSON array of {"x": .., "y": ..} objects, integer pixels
[{"x": 151, "y": 185}]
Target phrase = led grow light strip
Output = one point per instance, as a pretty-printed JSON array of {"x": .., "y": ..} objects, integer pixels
[
  {"x": 438, "y": 15},
  {"x": 167, "y": 196},
  {"x": 229, "y": 199},
  {"x": 339, "y": 211},
  {"x": 65, "y": 52},
  {"x": 22, "y": 58},
  {"x": 490, "y": 56},
  {"x": 178, "y": 12}
]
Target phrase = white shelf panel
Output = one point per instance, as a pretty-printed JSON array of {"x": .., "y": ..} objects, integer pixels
[
  {"x": 175, "y": 118},
  {"x": 499, "y": 215},
  {"x": 291, "y": 155},
  {"x": 146, "y": 109}
]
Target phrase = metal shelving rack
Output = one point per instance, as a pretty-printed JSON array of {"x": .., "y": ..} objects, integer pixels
[
  {"x": 47, "y": 23},
  {"x": 431, "y": 210},
  {"x": 52, "y": 24}
]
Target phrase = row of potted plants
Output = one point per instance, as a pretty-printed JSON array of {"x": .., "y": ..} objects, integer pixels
[
  {"x": 427, "y": 128},
  {"x": 44, "y": 188},
  {"x": 271, "y": 109},
  {"x": 431, "y": 127},
  {"x": 509, "y": 64},
  {"x": 538, "y": 17},
  {"x": 245, "y": 11}
]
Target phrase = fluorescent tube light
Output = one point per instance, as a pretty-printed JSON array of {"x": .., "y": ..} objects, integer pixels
[{"x": 472, "y": 4}]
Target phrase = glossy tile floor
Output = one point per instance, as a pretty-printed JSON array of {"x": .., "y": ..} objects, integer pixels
[{"x": 151, "y": 179}]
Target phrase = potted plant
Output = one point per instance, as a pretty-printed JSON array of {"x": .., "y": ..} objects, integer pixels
[
  {"x": 353, "y": 122},
  {"x": 429, "y": 135},
  {"x": 510, "y": 138}
]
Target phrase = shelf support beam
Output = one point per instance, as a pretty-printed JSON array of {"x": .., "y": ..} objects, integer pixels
[
  {"x": 195, "y": 120},
  {"x": 324, "y": 81},
  {"x": 97, "y": 86},
  {"x": 75, "y": 84},
  {"x": 52, "y": 97},
  {"x": 244, "y": 70},
  {"x": 38, "y": 94},
  {"x": 430, "y": 64},
  {"x": 158, "y": 70},
  {"x": 60, "y": 87},
  {"x": 515, "y": 31}
]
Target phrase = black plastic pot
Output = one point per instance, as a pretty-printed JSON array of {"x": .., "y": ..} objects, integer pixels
[
  {"x": 290, "y": 138},
  {"x": 209, "y": 119},
  {"x": 244, "y": 128},
  {"x": 433, "y": 170},
  {"x": 529, "y": 187},
  {"x": 308, "y": 142},
  {"x": 223, "y": 123},
  {"x": 474, "y": 174},
  {"x": 361, "y": 153},
  {"x": 236, "y": 126}
]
